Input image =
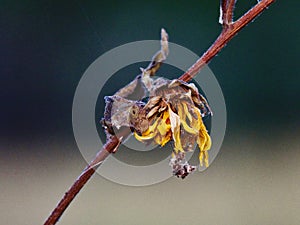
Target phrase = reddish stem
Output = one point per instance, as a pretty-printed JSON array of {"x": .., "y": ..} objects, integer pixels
[
  {"x": 227, "y": 7},
  {"x": 109, "y": 147},
  {"x": 226, "y": 35}
]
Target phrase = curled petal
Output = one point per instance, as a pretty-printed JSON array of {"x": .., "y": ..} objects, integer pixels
[
  {"x": 143, "y": 137},
  {"x": 188, "y": 128},
  {"x": 174, "y": 83},
  {"x": 152, "y": 112},
  {"x": 201, "y": 158},
  {"x": 204, "y": 143},
  {"x": 187, "y": 113},
  {"x": 148, "y": 134},
  {"x": 175, "y": 127}
]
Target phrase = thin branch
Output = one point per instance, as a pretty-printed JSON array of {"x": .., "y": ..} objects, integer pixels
[
  {"x": 226, "y": 12},
  {"x": 223, "y": 6},
  {"x": 230, "y": 8},
  {"x": 225, "y": 36},
  {"x": 250, "y": 15},
  {"x": 109, "y": 147},
  {"x": 113, "y": 142}
]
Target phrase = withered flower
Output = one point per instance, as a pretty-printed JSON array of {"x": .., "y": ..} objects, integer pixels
[{"x": 174, "y": 111}]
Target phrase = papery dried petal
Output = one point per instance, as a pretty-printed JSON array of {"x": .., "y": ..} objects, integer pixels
[{"x": 153, "y": 111}]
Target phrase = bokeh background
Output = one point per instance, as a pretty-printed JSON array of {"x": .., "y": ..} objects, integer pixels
[{"x": 45, "y": 47}]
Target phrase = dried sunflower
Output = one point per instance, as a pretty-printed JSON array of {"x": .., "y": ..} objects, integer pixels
[{"x": 174, "y": 111}]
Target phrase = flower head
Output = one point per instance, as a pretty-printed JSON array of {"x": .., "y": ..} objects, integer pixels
[{"x": 175, "y": 110}]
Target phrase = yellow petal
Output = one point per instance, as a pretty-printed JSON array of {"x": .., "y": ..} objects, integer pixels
[
  {"x": 208, "y": 142},
  {"x": 147, "y": 132},
  {"x": 204, "y": 155},
  {"x": 204, "y": 138},
  {"x": 198, "y": 121},
  {"x": 187, "y": 128},
  {"x": 151, "y": 128},
  {"x": 203, "y": 141},
  {"x": 193, "y": 128},
  {"x": 163, "y": 127},
  {"x": 206, "y": 158},
  {"x": 201, "y": 158},
  {"x": 187, "y": 113},
  {"x": 158, "y": 139},
  {"x": 180, "y": 110},
  {"x": 166, "y": 139},
  {"x": 144, "y": 138},
  {"x": 175, "y": 127}
]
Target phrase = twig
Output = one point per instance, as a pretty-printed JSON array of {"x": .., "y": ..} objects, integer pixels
[
  {"x": 230, "y": 29},
  {"x": 226, "y": 12},
  {"x": 109, "y": 147},
  {"x": 228, "y": 32}
]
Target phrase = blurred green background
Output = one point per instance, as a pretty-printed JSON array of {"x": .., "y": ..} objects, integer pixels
[{"x": 47, "y": 45}]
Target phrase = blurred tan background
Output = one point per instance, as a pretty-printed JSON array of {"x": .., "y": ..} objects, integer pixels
[{"x": 254, "y": 180}]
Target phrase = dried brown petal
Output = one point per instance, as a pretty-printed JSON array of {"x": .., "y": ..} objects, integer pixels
[
  {"x": 153, "y": 101},
  {"x": 153, "y": 111}
]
